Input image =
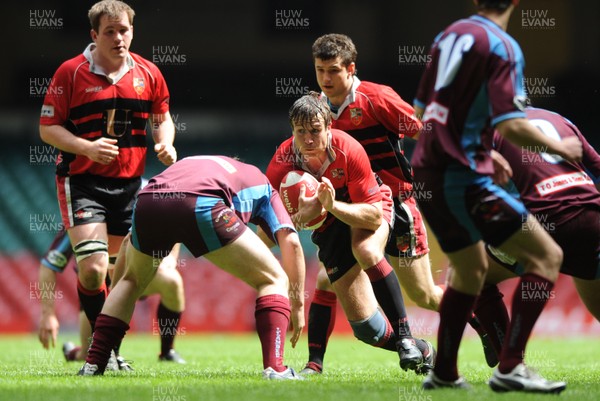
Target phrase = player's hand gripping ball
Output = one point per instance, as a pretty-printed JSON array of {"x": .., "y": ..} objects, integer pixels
[{"x": 289, "y": 190}]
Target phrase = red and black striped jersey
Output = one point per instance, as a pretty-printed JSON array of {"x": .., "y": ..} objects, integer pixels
[
  {"x": 377, "y": 117},
  {"x": 90, "y": 105}
]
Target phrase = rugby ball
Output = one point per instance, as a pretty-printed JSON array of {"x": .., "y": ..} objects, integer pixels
[{"x": 289, "y": 191}]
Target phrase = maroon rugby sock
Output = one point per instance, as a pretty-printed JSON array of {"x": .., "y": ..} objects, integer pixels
[
  {"x": 92, "y": 301},
  {"x": 321, "y": 321},
  {"x": 109, "y": 331},
  {"x": 389, "y": 296},
  {"x": 491, "y": 313},
  {"x": 168, "y": 321},
  {"x": 529, "y": 300},
  {"x": 455, "y": 309},
  {"x": 272, "y": 315}
]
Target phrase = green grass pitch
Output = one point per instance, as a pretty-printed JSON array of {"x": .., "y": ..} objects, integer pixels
[{"x": 228, "y": 367}]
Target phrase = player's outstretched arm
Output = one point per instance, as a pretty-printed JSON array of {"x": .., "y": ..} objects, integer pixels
[
  {"x": 292, "y": 261},
  {"x": 522, "y": 133},
  {"x": 163, "y": 132}
]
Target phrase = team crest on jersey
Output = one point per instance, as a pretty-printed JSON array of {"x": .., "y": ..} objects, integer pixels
[
  {"x": 337, "y": 173},
  {"x": 139, "y": 85},
  {"x": 356, "y": 115}
]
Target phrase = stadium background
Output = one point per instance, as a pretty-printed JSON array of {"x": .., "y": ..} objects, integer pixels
[{"x": 233, "y": 69}]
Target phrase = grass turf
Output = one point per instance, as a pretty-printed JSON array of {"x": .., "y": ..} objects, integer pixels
[{"x": 228, "y": 367}]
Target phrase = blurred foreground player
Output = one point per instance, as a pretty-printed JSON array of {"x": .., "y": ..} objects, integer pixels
[
  {"x": 474, "y": 83},
  {"x": 167, "y": 283},
  {"x": 565, "y": 199},
  {"x": 205, "y": 202}
]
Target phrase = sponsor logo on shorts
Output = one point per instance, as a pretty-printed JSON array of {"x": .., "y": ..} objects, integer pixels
[
  {"x": 403, "y": 243},
  {"x": 230, "y": 220},
  {"x": 82, "y": 214}
]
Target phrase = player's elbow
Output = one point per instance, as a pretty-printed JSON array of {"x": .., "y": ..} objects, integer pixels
[
  {"x": 512, "y": 128},
  {"x": 374, "y": 221},
  {"x": 289, "y": 241},
  {"x": 44, "y": 135}
]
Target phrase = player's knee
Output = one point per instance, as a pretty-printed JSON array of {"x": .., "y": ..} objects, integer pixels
[
  {"x": 423, "y": 298},
  {"x": 548, "y": 265},
  {"x": 367, "y": 253},
  {"x": 323, "y": 282},
  {"x": 277, "y": 279},
  {"x": 170, "y": 280},
  {"x": 370, "y": 330},
  {"x": 91, "y": 279},
  {"x": 555, "y": 256}
]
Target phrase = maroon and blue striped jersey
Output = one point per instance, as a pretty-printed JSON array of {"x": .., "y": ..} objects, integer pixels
[
  {"x": 473, "y": 81},
  {"x": 550, "y": 187}
]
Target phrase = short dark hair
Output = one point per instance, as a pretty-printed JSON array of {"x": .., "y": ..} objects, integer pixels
[
  {"x": 332, "y": 45},
  {"x": 307, "y": 108},
  {"x": 498, "y": 5}
]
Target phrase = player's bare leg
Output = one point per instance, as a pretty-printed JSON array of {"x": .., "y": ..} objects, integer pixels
[
  {"x": 589, "y": 292},
  {"x": 168, "y": 283},
  {"x": 417, "y": 282},
  {"x": 92, "y": 245},
  {"x": 469, "y": 268},
  {"x": 541, "y": 257},
  {"x": 247, "y": 258},
  {"x": 368, "y": 249},
  {"x": 355, "y": 294}
]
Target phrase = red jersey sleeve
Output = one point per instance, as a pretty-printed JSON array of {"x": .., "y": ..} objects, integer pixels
[
  {"x": 160, "y": 105},
  {"x": 396, "y": 114},
  {"x": 55, "y": 109},
  {"x": 160, "y": 101},
  {"x": 362, "y": 185}
]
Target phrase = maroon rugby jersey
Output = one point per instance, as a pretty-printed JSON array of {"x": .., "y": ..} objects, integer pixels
[
  {"x": 377, "y": 117},
  {"x": 243, "y": 187},
  {"x": 473, "y": 82},
  {"x": 90, "y": 106},
  {"x": 550, "y": 187},
  {"x": 348, "y": 168}
]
